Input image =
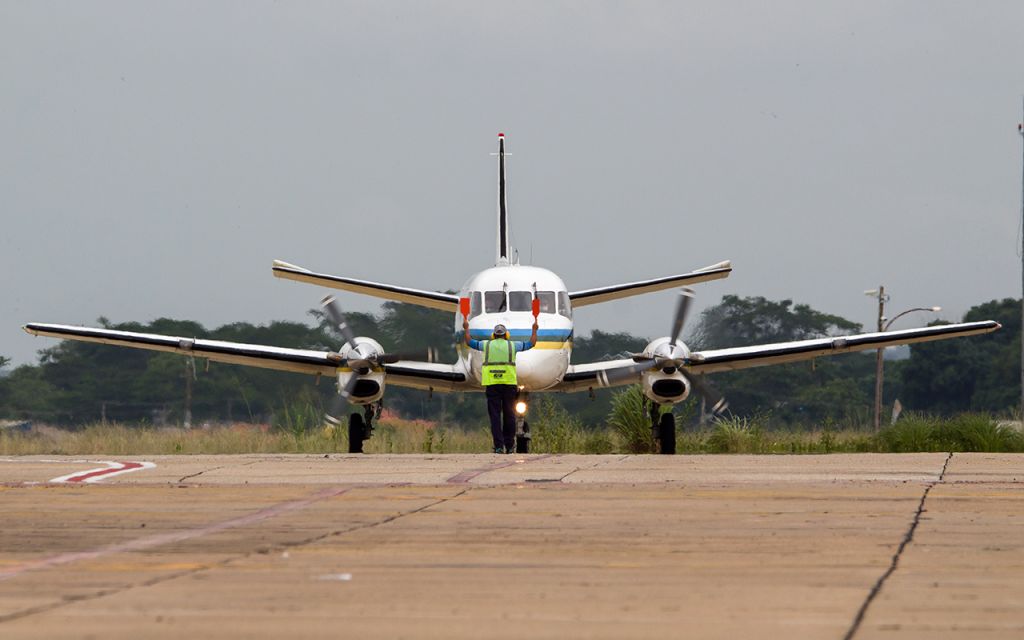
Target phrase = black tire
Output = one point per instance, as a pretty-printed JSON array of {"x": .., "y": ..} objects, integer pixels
[
  {"x": 667, "y": 434},
  {"x": 356, "y": 433},
  {"x": 523, "y": 441},
  {"x": 522, "y": 444}
]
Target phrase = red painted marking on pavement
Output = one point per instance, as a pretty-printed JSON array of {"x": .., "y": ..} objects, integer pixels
[
  {"x": 467, "y": 475},
  {"x": 125, "y": 466},
  {"x": 175, "y": 536},
  {"x": 112, "y": 469}
]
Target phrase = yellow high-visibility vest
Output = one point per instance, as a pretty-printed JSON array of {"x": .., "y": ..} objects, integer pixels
[{"x": 499, "y": 362}]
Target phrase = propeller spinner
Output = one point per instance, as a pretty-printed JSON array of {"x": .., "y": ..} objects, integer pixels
[
  {"x": 670, "y": 357},
  {"x": 361, "y": 357}
]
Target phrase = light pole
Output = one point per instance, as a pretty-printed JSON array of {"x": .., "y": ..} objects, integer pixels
[{"x": 883, "y": 326}]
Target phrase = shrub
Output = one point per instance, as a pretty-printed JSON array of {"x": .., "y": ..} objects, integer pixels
[
  {"x": 631, "y": 421},
  {"x": 911, "y": 434},
  {"x": 737, "y": 435},
  {"x": 978, "y": 432},
  {"x": 554, "y": 429}
]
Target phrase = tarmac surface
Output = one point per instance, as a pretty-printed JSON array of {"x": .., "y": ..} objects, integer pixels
[{"x": 469, "y": 546}]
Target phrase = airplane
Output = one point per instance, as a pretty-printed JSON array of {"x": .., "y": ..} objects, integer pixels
[{"x": 512, "y": 294}]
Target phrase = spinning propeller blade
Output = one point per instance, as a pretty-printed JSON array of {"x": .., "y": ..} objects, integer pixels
[
  {"x": 711, "y": 396},
  {"x": 337, "y": 318}
]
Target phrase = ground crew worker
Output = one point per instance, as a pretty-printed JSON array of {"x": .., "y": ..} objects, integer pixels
[{"x": 499, "y": 380}]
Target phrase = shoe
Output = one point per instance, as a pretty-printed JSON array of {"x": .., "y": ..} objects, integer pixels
[{"x": 499, "y": 449}]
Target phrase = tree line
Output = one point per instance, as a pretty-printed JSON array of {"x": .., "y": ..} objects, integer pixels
[{"x": 76, "y": 383}]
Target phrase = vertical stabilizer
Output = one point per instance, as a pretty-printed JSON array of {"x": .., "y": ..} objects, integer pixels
[{"x": 504, "y": 254}]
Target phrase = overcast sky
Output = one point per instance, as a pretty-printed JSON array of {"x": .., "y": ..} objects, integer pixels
[{"x": 155, "y": 157}]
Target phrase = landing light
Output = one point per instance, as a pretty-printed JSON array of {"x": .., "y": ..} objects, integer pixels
[{"x": 520, "y": 407}]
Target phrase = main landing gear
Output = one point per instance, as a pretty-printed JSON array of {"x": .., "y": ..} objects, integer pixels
[
  {"x": 522, "y": 424},
  {"x": 360, "y": 427},
  {"x": 663, "y": 427}
]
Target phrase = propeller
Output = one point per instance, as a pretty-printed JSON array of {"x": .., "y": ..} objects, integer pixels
[
  {"x": 715, "y": 400},
  {"x": 360, "y": 358}
]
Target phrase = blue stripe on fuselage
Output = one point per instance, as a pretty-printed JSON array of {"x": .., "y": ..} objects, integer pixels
[{"x": 543, "y": 335}]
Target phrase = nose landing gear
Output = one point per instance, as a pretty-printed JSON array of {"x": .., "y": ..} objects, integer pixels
[
  {"x": 522, "y": 425},
  {"x": 663, "y": 428},
  {"x": 360, "y": 427}
]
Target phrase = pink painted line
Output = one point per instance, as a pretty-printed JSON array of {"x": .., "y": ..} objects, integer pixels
[
  {"x": 465, "y": 476},
  {"x": 102, "y": 473},
  {"x": 175, "y": 536}
]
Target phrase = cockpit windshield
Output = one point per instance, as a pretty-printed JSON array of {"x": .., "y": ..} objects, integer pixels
[
  {"x": 547, "y": 301},
  {"x": 494, "y": 302},
  {"x": 520, "y": 301}
]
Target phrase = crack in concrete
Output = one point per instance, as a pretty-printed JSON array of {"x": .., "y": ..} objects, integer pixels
[
  {"x": 198, "y": 473},
  {"x": 74, "y": 599},
  {"x": 894, "y": 564},
  {"x": 599, "y": 463}
]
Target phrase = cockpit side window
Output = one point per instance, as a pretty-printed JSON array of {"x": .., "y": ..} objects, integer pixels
[
  {"x": 520, "y": 301},
  {"x": 476, "y": 304},
  {"x": 494, "y": 302},
  {"x": 564, "y": 307},
  {"x": 547, "y": 301}
]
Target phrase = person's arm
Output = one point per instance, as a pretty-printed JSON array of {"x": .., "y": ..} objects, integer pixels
[{"x": 533, "y": 336}]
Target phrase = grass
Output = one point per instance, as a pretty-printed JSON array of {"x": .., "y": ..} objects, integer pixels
[{"x": 554, "y": 431}]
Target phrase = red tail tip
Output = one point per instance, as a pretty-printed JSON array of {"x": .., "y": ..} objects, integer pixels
[{"x": 501, "y": 135}]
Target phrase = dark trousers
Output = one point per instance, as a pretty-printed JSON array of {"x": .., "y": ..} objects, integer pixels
[{"x": 501, "y": 407}]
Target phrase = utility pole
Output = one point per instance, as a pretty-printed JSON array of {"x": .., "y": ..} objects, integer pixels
[
  {"x": 1020, "y": 131},
  {"x": 879, "y": 354},
  {"x": 190, "y": 373},
  {"x": 883, "y": 326}
]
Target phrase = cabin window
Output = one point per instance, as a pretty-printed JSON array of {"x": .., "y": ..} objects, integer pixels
[
  {"x": 520, "y": 301},
  {"x": 494, "y": 302},
  {"x": 564, "y": 307},
  {"x": 476, "y": 304},
  {"x": 547, "y": 301}
]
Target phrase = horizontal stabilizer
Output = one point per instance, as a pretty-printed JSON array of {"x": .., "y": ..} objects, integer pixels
[
  {"x": 443, "y": 301},
  {"x": 614, "y": 292}
]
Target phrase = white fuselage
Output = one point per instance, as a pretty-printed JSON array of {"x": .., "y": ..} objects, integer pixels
[{"x": 504, "y": 295}]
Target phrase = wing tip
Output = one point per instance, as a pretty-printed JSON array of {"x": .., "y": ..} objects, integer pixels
[{"x": 281, "y": 265}]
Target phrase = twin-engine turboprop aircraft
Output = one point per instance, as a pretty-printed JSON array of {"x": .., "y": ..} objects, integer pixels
[{"x": 513, "y": 295}]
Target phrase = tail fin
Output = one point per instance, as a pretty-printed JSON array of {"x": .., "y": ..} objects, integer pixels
[{"x": 504, "y": 254}]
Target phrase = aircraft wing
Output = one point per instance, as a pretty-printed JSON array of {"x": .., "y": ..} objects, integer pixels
[
  {"x": 614, "y": 292},
  {"x": 587, "y": 376},
  {"x": 428, "y": 376},
  {"x": 433, "y": 299},
  {"x": 584, "y": 376},
  {"x": 758, "y": 356},
  {"x": 254, "y": 355},
  {"x": 404, "y": 373}
]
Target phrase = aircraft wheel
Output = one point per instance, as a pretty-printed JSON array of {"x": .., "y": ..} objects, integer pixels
[
  {"x": 521, "y": 444},
  {"x": 523, "y": 441},
  {"x": 356, "y": 433},
  {"x": 667, "y": 434}
]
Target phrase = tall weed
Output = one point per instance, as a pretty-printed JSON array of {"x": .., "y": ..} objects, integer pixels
[{"x": 631, "y": 421}]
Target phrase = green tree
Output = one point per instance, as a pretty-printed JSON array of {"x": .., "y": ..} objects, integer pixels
[
  {"x": 981, "y": 373},
  {"x": 799, "y": 393}
]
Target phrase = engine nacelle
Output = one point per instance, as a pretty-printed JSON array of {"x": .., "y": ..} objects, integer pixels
[
  {"x": 369, "y": 386},
  {"x": 666, "y": 385}
]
